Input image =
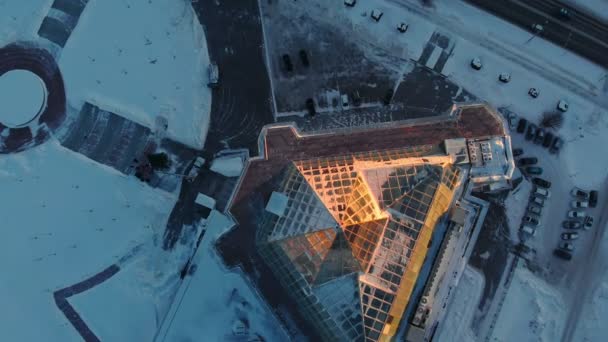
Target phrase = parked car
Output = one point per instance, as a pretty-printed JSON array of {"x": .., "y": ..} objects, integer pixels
[
  {"x": 588, "y": 222},
  {"x": 557, "y": 145},
  {"x": 402, "y": 27},
  {"x": 512, "y": 120},
  {"x": 304, "y": 58},
  {"x": 517, "y": 152},
  {"x": 541, "y": 182},
  {"x": 540, "y": 201},
  {"x": 287, "y": 63},
  {"x": 540, "y": 136},
  {"x": 579, "y": 204},
  {"x": 569, "y": 236},
  {"x": 548, "y": 139},
  {"x": 504, "y": 77},
  {"x": 213, "y": 73},
  {"x": 310, "y": 107},
  {"x": 344, "y": 99},
  {"x": 536, "y": 210},
  {"x": 350, "y": 3},
  {"x": 527, "y": 161},
  {"x": 528, "y": 230},
  {"x": 196, "y": 167},
  {"x": 521, "y": 125},
  {"x": 534, "y": 170},
  {"x": 593, "y": 198},
  {"x": 542, "y": 192},
  {"x": 562, "y": 254},
  {"x": 530, "y": 220},
  {"x": 377, "y": 14},
  {"x": 571, "y": 224},
  {"x": 567, "y": 246},
  {"x": 533, "y": 92},
  {"x": 579, "y": 193},
  {"x": 476, "y": 63},
  {"x": 576, "y": 214},
  {"x": 531, "y": 131},
  {"x": 562, "y": 106}
]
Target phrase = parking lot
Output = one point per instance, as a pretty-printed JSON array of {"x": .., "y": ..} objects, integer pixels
[
  {"x": 336, "y": 64},
  {"x": 554, "y": 211}
]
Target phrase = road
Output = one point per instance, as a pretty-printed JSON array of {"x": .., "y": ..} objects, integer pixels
[
  {"x": 590, "y": 274},
  {"x": 581, "y": 34}
]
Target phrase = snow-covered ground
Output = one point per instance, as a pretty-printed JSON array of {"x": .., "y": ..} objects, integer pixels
[
  {"x": 20, "y": 20},
  {"x": 22, "y": 95},
  {"x": 532, "y": 311},
  {"x": 461, "y": 309},
  {"x": 216, "y": 303},
  {"x": 596, "y": 7},
  {"x": 64, "y": 218},
  {"x": 142, "y": 59}
]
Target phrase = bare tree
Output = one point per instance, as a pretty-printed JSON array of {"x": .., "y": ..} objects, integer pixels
[{"x": 553, "y": 120}]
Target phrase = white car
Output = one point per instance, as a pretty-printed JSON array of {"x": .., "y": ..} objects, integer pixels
[
  {"x": 538, "y": 28},
  {"x": 377, "y": 14},
  {"x": 538, "y": 201},
  {"x": 214, "y": 75},
  {"x": 580, "y": 193},
  {"x": 528, "y": 230},
  {"x": 504, "y": 77},
  {"x": 198, "y": 163},
  {"x": 533, "y": 92},
  {"x": 350, "y": 3},
  {"x": 344, "y": 99},
  {"x": 588, "y": 223},
  {"x": 576, "y": 214},
  {"x": 562, "y": 106},
  {"x": 402, "y": 27},
  {"x": 476, "y": 63},
  {"x": 579, "y": 204},
  {"x": 567, "y": 246},
  {"x": 542, "y": 192}
]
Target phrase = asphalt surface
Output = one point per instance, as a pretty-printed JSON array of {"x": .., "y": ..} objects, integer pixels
[
  {"x": 581, "y": 33},
  {"x": 241, "y": 104}
]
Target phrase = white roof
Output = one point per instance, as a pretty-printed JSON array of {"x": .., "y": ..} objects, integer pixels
[
  {"x": 277, "y": 204},
  {"x": 205, "y": 201}
]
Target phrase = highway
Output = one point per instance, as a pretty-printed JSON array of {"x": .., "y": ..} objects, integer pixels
[{"x": 582, "y": 33}]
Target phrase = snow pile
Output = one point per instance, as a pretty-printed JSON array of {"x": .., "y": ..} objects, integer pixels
[
  {"x": 229, "y": 166},
  {"x": 532, "y": 311},
  {"x": 142, "y": 59},
  {"x": 64, "y": 218},
  {"x": 21, "y": 19},
  {"x": 515, "y": 205},
  {"x": 461, "y": 309},
  {"x": 216, "y": 303}
]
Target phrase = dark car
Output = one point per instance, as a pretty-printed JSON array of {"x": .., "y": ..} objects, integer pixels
[
  {"x": 356, "y": 98},
  {"x": 557, "y": 145},
  {"x": 310, "y": 107},
  {"x": 540, "y": 136},
  {"x": 521, "y": 125},
  {"x": 534, "y": 170},
  {"x": 531, "y": 131},
  {"x": 530, "y": 220},
  {"x": 563, "y": 13},
  {"x": 304, "y": 58},
  {"x": 541, "y": 182},
  {"x": 593, "y": 198},
  {"x": 388, "y": 97},
  {"x": 548, "y": 139},
  {"x": 571, "y": 224},
  {"x": 527, "y": 161},
  {"x": 560, "y": 253},
  {"x": 287, "y": 63},
  {"x": 518, "y": 152}
]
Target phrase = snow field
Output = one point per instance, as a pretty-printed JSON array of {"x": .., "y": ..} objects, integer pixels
[
  {"x": 142, "y": 59},
  {"x": 532, "y": 311},
  {"x": 64, "y": 218},
  {"x": 20, "y": 20}
]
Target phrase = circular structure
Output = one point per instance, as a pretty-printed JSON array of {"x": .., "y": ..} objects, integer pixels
[
  {"x": 24, "y": 127},
  {"x": 22, "y": 97}
]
